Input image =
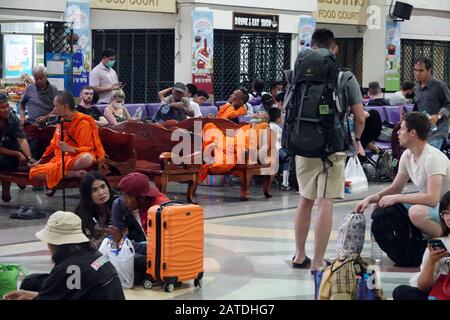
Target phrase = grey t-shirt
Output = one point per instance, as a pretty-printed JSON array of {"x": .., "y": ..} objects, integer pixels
[
  {"x": 434, "y": 97},
  {"x": 431, "y": 162},
  {"x": 39, "y": 101},
  {"x": 351, "y": 86}
]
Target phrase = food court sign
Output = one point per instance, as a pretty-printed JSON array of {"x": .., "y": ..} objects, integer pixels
[
  {"x": 166, "y": 6},
  {"x": 342, "y": 11}
]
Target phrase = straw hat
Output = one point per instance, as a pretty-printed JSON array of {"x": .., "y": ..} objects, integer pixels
[{"x": 62, "y": 228}]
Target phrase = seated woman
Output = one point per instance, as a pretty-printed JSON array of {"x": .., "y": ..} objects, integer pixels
[
  {"x": 95, "y": 212},
  {"x": 94, "y": 208},
  {"x": 69, "y": 247},
  {"x": 81, "y": 145},
  {"x": 115, "y": 112},
  {"x": 435, "y": 262}
]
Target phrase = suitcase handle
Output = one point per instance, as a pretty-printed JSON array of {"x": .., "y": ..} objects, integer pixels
[{"x": 170, "y": 203}]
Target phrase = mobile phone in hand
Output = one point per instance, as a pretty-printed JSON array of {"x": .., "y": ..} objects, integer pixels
[{"x": 436, "y": 244}]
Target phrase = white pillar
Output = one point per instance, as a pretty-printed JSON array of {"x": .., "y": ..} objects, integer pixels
[
  {"x": 183, "y": 43},
  {"x": 374, "y": 48}
]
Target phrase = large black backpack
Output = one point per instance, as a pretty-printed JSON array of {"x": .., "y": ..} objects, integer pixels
[
  {"x": 315, "y": 107},
  {"x": 397, "y": 236}
]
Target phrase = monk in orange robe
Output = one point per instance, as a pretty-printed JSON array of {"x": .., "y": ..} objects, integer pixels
[
  {"x": 235, "y": 106},
  {"x": 82, "y": 146},
  {"x": 244, "y": 141}
]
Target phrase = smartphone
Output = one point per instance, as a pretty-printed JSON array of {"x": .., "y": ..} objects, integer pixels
[{"x": 436, "y": 244}]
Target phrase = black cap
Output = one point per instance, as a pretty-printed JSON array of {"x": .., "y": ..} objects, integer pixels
[{"x": 266, "y": 99}]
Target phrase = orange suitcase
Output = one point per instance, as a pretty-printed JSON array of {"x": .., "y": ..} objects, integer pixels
[{"x": 174, "y": 244}]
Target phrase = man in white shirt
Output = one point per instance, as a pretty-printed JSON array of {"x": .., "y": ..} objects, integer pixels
[
  {"x": 103, "y": 78},
  {"x": 197, "y": 101},
  {"x": 403, "y": 96},
  {"x": 429, "y": 170}
]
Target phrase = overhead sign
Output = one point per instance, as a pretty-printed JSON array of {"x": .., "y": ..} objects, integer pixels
[
  {"x": 342, "y": 11},
  {"x": 166, "y": 6},
  {"x": 255, "y": 22}
]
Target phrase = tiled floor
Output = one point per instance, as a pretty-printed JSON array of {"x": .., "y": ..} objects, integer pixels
[{"x": 248, "y": 245}]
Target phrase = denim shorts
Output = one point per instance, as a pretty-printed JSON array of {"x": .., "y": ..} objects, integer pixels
[{"x": 433, "y": 212}]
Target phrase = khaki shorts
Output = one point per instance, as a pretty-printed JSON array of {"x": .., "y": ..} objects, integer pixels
[{"x": 311, "y": 177}]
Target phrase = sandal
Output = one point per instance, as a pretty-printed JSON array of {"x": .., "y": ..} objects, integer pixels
[{"x": 304, "y": 265}]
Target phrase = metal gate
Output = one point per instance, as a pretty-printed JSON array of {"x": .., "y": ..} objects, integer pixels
[
  {"x": 145, "y": 60},
  {"x": 57, "y": 38},
  {"x": 241, "y": 57},
  {"x": 350, "y": 55},
  {"x": 437, "y": 51}
]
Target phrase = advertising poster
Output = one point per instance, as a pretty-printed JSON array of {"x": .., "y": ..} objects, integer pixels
[
  {"x": 202, "y": 50},
  {"x": 392, "y": 57},
  {"x": 77, "y": 13},
  {"x": 18, "y": 55},
  {"x": 306, "y": 26},
  {"x": 59, "y": 69}
]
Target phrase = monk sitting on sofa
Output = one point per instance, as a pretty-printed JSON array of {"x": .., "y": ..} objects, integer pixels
[
  {"x": 81, "y": 145},
  {"x": 235, "y": 106}
]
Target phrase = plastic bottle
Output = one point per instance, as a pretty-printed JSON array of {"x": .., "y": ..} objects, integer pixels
[
  {"x": 165, "y": 109},
  {"x": 138, "y": 114},
  {"x": 375, "y": 251},
  {"x": 434, "y": 127}
]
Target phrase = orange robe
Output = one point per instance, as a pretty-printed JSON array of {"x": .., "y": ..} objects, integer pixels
[
  {"x": 216, "y": 143},
  {"x": 227, "y": 111},
  {"x": 81, "y": 133}
]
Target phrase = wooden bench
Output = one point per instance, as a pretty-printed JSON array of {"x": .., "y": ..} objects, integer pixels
[
  {"x": 154, "y": 156},
  {"x": 120, "y": 160},
  {"x": 245, "y": 172}
]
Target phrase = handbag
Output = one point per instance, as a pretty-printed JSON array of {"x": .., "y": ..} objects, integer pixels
[
  {"x": 355, "y": 178},
  {"x": 441, "y": 288},
  {"x": 9, "y": 275},
  {"x": 121, "y": 256}
]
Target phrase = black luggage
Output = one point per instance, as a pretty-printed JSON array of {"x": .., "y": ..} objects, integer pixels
[{"x": 397, "y": 236}]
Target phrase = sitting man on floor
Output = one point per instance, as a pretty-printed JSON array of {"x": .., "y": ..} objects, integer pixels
[
  {"x": 428, "y": 169},
  {"x": 235, "y": 106},
  {"x": 82, "y": 146},
  {"x": 14, "y": 148},
  {"x": 137, "y": 194}
]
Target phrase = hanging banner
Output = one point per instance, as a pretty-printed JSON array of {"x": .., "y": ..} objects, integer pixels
[
  {"x": 392, "y": 60},
  {"x": 77, "y": 13},
  {"x": 202, "y": 50},
  {"x": 18, "y": 55},
  {"x": 306, "y": 27}
]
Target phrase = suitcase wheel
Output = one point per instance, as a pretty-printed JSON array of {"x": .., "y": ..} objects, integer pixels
[
  {"x": 168, "y": 287},
  {"x": 198, "y": 283},
  {"x": 147, "y": 284}
]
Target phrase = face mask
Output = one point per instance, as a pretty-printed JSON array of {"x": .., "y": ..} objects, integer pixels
[
  {"x": 110, "y": 63},
  {"x": 117, "y": 105}
]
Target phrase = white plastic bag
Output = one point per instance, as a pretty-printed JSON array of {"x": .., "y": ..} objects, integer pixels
[
  {"x": 122, "y": 258},
  {"x": 355, "y": 178}
]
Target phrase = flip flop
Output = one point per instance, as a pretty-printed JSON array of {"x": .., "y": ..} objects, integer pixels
[
  {"x": 31, "y": 214},
  {"x": 304, "y": 265}
]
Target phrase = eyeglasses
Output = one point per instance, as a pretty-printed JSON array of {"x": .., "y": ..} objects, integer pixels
[{"x": 444, "y": 213}]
